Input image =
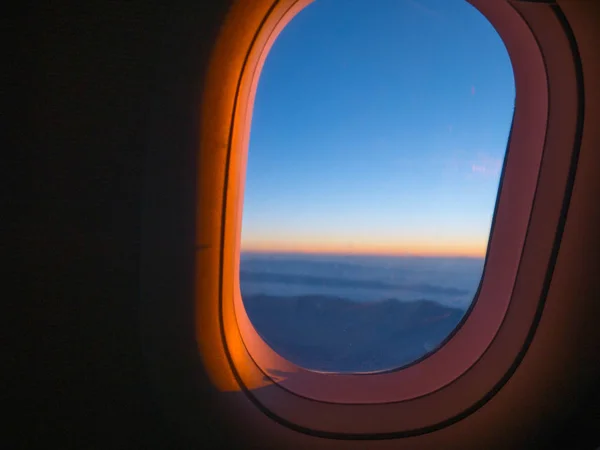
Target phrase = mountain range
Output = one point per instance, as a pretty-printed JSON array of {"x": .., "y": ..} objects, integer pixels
[{"x": 330, "y": 333}]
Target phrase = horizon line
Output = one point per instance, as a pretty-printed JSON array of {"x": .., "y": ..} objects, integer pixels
[{"x": 360, "y": 253}]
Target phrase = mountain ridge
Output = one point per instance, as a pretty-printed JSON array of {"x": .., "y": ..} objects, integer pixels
[{"x": 330, "y": 333}]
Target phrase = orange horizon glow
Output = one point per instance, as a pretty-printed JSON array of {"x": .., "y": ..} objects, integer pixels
[{"x": 448, "y": 250}]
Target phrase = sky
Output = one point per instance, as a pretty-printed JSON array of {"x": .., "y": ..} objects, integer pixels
[{"x": 379, "y": 127}]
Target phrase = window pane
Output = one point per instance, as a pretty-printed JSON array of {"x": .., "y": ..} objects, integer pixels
[{"x": 377, "y": 142}]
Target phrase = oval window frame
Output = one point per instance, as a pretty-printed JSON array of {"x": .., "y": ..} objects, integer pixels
[{"x": 323, "y": 404}]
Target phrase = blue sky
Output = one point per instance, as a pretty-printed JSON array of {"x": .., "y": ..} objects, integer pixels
[{"x": 379, "y": 126}]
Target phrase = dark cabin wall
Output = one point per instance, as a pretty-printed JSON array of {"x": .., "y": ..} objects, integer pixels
[{"x": 96, "y": 76}]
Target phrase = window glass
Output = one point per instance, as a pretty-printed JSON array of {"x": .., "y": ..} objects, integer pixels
[{"x": 378, "y": 137}]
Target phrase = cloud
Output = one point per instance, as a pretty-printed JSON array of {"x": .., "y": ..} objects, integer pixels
[
  {"x": 481, "y": 165},
  {"x": 486, "y": 165}
]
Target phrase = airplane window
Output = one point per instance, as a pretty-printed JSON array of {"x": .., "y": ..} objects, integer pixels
[{"x": 377, "y": 143}]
